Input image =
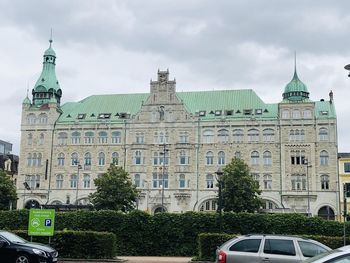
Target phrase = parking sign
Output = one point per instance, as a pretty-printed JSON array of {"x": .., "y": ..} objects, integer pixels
[{"x": 41, "y": 222}]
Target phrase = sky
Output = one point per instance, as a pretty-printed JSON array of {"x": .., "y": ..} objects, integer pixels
[{"x": 117, "y": 46}]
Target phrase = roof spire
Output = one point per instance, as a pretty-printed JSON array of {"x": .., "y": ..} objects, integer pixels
[
  {"x": 295, "y": 65},
  {"x": 50, "y": 37}
]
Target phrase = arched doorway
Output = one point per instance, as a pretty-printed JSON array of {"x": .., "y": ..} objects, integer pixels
[
  {"x": 32, "y": 204},
  {"x": 209, "y": 206},
  {"x": 159, "y": 210},
  {"x": 326, "y": 212}
]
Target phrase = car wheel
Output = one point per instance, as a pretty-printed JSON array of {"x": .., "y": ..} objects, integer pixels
[{"x": 22, "y": 259}]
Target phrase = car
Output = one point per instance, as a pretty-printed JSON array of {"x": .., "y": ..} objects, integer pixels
[
  {"x": 268, "y": 248},
  {"x": 14, "y": 249},
  {"x": 339, "y": 255}
]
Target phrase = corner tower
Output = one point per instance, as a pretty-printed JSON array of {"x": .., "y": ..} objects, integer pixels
[
  {"x": 47, "y": 88},
  {"x": 295, "y": 90}
]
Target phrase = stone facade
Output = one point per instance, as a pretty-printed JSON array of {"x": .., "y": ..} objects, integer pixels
[{"x": 291, "y": 148}]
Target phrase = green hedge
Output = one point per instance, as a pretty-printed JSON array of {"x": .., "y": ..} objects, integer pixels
[
  {"x": 79, "y": 244},
  {"x": 139, "y": 233},
  {"x": 208, "y": 243}
]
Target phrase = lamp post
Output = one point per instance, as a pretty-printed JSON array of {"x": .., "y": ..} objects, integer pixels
[
  {"x": 163, "y": 173},
  {"x": 218, "y": 175},
  {"x": 76, "y": 194},
  {"x": 26, "y": 187},
  {"x": 307, "y": 185}
]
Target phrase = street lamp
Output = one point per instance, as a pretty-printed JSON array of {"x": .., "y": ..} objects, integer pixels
[
  {"x": 163, "y": 173},
  {"x": 347, "y": 67},
  {"x": 308, "y": 185},
  {"x": 26, "y": 187},
  {"x": 218, "y": 175},
  {"x": 76, "y": 194}
]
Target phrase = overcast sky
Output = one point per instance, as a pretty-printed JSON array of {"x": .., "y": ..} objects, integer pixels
[{"x": 106, "y": 46}]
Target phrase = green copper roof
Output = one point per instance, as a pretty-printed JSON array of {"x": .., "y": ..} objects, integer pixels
[
  {"x": 295, "y": 90},
  {"x": 26, "y": 100}
]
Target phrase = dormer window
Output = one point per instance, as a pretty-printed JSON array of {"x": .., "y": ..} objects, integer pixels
[
  {"x": 229, "y": 112},
  {"x": 324, "y": 112},
  {"x": 258, "y": 111},
  {"x": 247, "y": 112},
  {"x": 81, "y": 116},
  {"x": 202, "y": 113},
  {"x": 104, "y": 116},
  {"x": 218, "y": 112}
]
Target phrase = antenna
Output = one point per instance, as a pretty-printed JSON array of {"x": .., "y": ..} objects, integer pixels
[{"x": 50, "y": 37}]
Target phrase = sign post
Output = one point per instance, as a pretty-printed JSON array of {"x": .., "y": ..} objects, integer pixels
[{"x": 41, "y": 222}]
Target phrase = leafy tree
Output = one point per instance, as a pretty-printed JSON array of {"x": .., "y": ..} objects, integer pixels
[
  {"x": 7, "y": 191},
  {"x": 240, "y": 192},
  {"x": 115, "y": 191}
]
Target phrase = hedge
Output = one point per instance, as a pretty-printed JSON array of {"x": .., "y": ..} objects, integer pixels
[
  {"x": 165, "y": 234},
  {"x": 78, "y": 244},
  {"x": 208, "y": 243}
]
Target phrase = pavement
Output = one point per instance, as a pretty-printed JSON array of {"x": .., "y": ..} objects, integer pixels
[{"x": 134, "y": 260}]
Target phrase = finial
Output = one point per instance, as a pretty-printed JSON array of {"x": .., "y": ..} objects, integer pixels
[
  {"x": 295, "y": 65},
  {"x": 50, "y": 37}
]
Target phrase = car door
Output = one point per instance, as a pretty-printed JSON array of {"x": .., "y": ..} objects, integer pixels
[
  {"x": 243, "y": 251},
  {"x": 279, "y": 250},
  {"x": 309, "y": 249},
  {"x": 4, "y": 250}
]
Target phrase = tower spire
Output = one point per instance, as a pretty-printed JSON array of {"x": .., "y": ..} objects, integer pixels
[
  {"x": 50, "y": 40},
  {"x": 295, "y": 65}
]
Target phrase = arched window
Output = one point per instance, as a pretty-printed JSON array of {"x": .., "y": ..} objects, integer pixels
[
  {"x": 86, "y": 181},
  {"x": 102, "y": 137},
  {"x": 210, "y": 181},
  {"x": 291, "y": 136},
  {"x": 76, "y": 137},
  {"x": 296, "y": 114},
  {"x": 183, "y": 158},
  {"x": 298, "y": 182},
  {"x": 60, "y": 159},
  {"x": 184, "y": 137},
  {"x": 30, "y": 139},
  {"x": 267, "y": 181},
  {"x": 221, "y": 158},
  {"x": 210, "y": 158},
  {"x": 302, "y": 136},
  {"x": 267, "y": 158},
  {"x": 116, "y": 137},
  {"x": 269, "y": 135},
  {"x": 87, "y": 159},
  {"x": 34, "y": 160},
  {"x": 41, "y": 139},
  {"x": 324, "y": 157},
  {"x": 182, "y": 181},
  {"x": 42, "y": 118},
  {"x": 137, "y": 180},
  {"x": 138, "y": 157},
  {"x": 254, "y": 158},
  {"x": 208, "y": 206},
  {"x": 59, "y": 181},
  {"x": 326, "y": 212},
  {"x": 253, "y": 135},
  {"x": 115, "y": 158},
  {"x": 101, "y": 159},
  {"x": 267, "y": 204},
  {"x": 39, "y": 158},
  {"x": 323, "y": 134},
  {"x": 73, "y": 181},
  {"x": 140, "y": 137},
  {"x": 324, "y": 182},
  {"x": 223, "y": 135},
  {"x": 89, "y": 137},
  {"x": 31, "y": 119},
  {"x": 62, "y": 138},
  {"x": 74, "y": 159},
  {"x": 256, "y": 178},
  {"x": 208, "y": 136},
  {"x": 307, "y": 114},
  {"x": 237, "y": 136},
  {"x": 285, "y": 114}
]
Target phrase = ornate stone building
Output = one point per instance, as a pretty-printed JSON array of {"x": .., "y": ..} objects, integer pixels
[{"x": 172, "y": 143}]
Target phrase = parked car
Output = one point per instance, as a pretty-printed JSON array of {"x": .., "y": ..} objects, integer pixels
[
  {"x": 268, "y": 248},
  {"x": 14, "y": 249},
  {"x": 339, "y": 255}
]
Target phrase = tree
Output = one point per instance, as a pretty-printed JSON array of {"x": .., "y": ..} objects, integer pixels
[
  {"x": 115, "y": 191},
  {"x": 7, "y": 191},
  {"x": 240, "y": 192}
]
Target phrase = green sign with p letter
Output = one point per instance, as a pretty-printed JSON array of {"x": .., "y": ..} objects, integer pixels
[{"x": 41, "y": 222}]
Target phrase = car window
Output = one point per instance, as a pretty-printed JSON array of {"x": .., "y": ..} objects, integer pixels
[
  {"x": 279, "y": 246},
  {"x": 309, "y": 249},
  {"x": 247, "y": 245},
  {"x": 345, "y": 259},
  {"x": 12, "y": 237}
]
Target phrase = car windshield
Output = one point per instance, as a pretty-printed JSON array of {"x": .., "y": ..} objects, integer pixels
[
  {"x": 12, "y": 237},
  {"x": 322, "y": 255}
]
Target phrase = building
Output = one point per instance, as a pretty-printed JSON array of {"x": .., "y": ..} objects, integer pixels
[
  {"x": 344, "y": 175},
  {"x": 8, "y": 161},
  {"x": 176, "y": 141}
]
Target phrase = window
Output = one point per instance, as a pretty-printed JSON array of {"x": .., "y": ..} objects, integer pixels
[
  {"x": 89, "y": 137},
  {"x": 209, "y": 158},
  {"x": 309, "y": 249},
  {"x": 324, "y": 182},
  {"x": 267, "y": 158},
  {"x": 76, "y": 137},
  {"x": 31, "y": 119},
  {"x": 182, "y": 181},
  {"x": 307, "y": 114},
  {"x": 183, "y": 158},
  {"x": 115, "y": 158},
  {"x": 39, "y": 157},
  {"x": 87, "y": 159},
  {"x": 86, "y": 181},
  {"x": 279, "y": 247},
  {"x": 62, "y": 138},
  {"x": 158, "y": 180},
  {"x": 158, "y": 158},
  {"x": 208, "y": 136},
  {"x": 253, "y": 135},
  {"x": 296, "y": 114},
  {"x": 237, "y": 135},
  {"x": 256, "y": 177},
  {"x": 210, "y": 181},
  {"x": 42, "y": 118},
  {"x": 137, "y": 180},
  {"x": 74, "y": 159},
  {"x": 297, "y": 157},
  {"x": 254, "y": 158},
  {"x": 267, "y": 182},
  {"x": 30, "y": 139},
  {"x": 60, "y": 159},
  {"x": 138, "y": 157},
  {"x": 223, "y": 136},
  {"x": 59, "y": 181},
  {"x": 323, "y": 134},
  {"x": 29, "y": 159},
  {"x": 102, "y": 137},
  {"x": 268, "y": 135},
  {"x": 33, "y": 181},
  {"x": 238, "y": 154},
  {"x": 346, "y": 167},
  {"x": 285, "y": 114},
  {"x": 298, "y": 182},
  {"x": 161, "y": 137},
  {"x": 116, "y": 137},
  {"x": 140, "y": 137},
  {"x": 73, "y": 181},
  {"x": 209, "y": 205},
  {"x": 324, "y": 158},
  {"x": 184, "y": 137},
  {"x": 221, "y": 158},
  {"x": 101, "y": 159},
  {"x": 247, "y": 245}
]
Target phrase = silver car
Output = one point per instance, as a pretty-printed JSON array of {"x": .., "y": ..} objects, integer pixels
[
  {"x": 268, "y": 249},
  {"x": 339, "y": 255}
]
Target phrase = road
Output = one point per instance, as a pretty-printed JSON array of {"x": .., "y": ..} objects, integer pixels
[{"x": 156, "y": 259}]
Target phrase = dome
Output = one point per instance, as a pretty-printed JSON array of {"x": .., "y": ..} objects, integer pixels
[
  {"x": 295, "y": 90},
  {"x": 50, "y": 52}
]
